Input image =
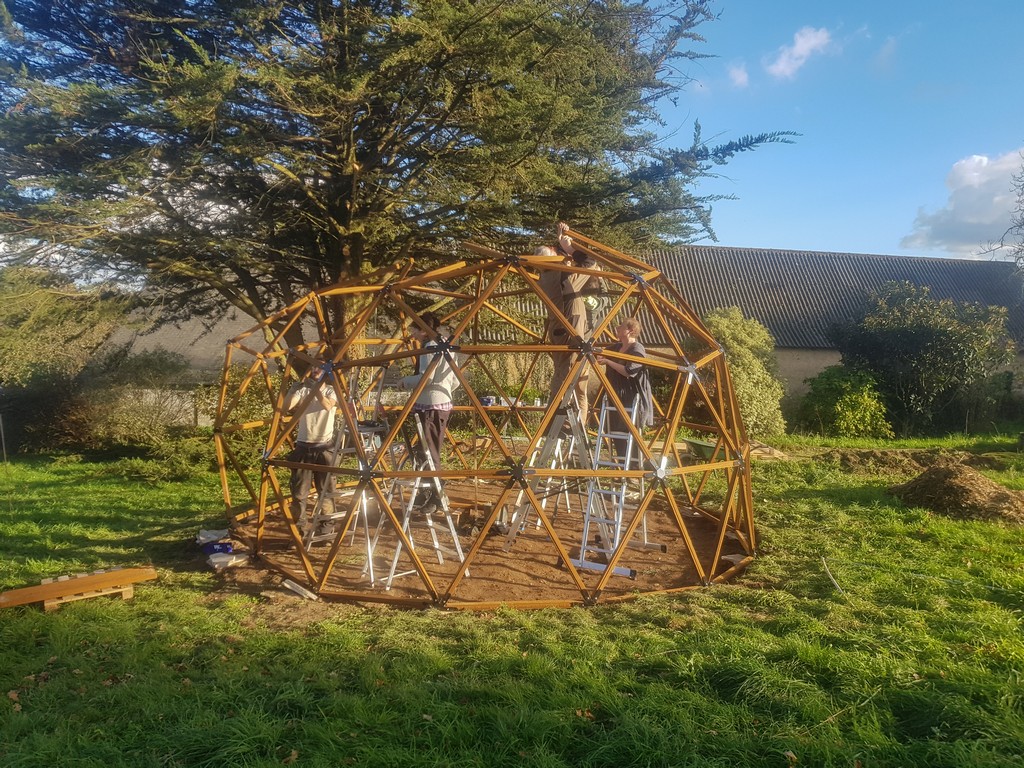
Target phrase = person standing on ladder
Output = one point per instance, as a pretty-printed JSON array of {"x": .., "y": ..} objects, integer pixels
[
  {"x": 565, "y": 289},
  {"x": 314, "y": 442},
  {"x": 433, "y": 407},
  {"x": 630, "y": 380}
]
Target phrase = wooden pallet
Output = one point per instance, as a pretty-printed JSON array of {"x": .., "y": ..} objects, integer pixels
[{"x": 65, "y": 589}]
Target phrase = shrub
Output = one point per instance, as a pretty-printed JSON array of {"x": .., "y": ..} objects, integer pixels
[
  {"x": 133, "y": 400},
  {"x": 925, "y": 354},
  {"x": 846, "y": 403},
  {"x": 176, "y": 458},
  {"x": 979, "y": 407},
  {"x": 750, "y": 350}
]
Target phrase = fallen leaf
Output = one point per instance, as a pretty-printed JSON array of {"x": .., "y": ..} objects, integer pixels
[
  {"x": 790, "y": 757},
  {"x": 12, "y": 695},
  {"x": 17, "y": 707},
  {"x": 429, "y": 718},
  {"x": 291, "y": 758}
]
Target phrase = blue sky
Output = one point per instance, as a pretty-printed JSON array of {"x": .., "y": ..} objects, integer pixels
[{"x": 910, "y": 112}]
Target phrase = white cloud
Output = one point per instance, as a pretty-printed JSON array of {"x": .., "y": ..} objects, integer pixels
[
  {"x": 978, "y": 211},
  {"x": 806, "y": 42},
  {"x": 738, "y": 75}
]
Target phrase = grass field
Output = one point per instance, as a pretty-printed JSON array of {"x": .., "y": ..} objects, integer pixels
[{"x": 917, "y": 661}]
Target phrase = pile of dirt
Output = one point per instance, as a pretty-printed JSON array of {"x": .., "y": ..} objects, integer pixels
[
  {"x": 950, "y": 487},
  {"x": 875, "y": 462},
  {"x": 902, "y": 462}
]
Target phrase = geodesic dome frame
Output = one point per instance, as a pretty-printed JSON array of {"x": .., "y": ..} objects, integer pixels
[{"x": 527, "y": 518}]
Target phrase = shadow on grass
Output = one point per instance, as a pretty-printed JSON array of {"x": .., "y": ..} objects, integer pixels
[{"x": 71, "y": 516}]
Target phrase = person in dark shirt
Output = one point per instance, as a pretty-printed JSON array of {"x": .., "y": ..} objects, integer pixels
[{"x": 630, "y": 380}]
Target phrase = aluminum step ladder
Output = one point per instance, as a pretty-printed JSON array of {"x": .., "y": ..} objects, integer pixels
[
  {"x": 408, "y": 493},
  {"x": 608, "y": 498},
  {"x": 565, "y": 445},
  {"x": 559, "y": 449}
]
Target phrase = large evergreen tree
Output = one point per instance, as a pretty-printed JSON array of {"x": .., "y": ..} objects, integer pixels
[
  {"x": 1015, "y": 233},
  {"x": 250, "y": 150}
]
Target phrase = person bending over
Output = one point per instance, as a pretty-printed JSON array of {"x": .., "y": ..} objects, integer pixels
[{"x": 566, "y": 291}]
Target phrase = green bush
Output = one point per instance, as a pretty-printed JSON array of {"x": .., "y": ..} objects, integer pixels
[
  {"x": 927, "y": 355},
  {"x": 845, "y": 403},
  {"x": 176, "y": 458},
  {"x": 126, "y": 400},
  {"x": 750, "y": 350}
]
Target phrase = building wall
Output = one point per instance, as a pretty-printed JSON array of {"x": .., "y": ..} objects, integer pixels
[
  {"x": 798, "y": 365},
  {"x": 203, "y": 347}
]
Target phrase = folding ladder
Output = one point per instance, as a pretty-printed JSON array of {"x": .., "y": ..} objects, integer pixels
[
  {"x": 406, "y": 492},
  {"x": 607, "y": 498},
  {"x": 561, "y": 448}
]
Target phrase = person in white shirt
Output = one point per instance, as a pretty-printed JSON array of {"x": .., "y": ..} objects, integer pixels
[
  {"x": 433, "y": 406},
  {"x": 314, "y": 442}
]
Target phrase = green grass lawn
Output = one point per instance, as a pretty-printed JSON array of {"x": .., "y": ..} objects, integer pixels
[{"x": 918, "y": 661}]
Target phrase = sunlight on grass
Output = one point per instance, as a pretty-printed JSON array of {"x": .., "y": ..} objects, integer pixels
[{"x": 916, "y": 662}]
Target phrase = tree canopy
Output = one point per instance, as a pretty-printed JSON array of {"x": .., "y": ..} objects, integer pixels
[
  {"x": 921, "y": 351},
  {"x": 1016, "y": 231},
  {"x": 48, "y": 327},
  {"x": 249, "y": 151}
]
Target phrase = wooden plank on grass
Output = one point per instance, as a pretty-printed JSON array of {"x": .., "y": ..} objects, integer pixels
[{"x": 115, "y": 580}]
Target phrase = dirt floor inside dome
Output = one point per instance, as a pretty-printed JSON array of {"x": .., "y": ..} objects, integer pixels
[{"x": 524, "y": 569}]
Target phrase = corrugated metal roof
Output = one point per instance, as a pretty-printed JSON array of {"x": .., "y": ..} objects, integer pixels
[{"x": 799, "y": 295}]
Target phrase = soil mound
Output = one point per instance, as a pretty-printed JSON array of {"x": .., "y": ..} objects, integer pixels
[
  {"x": 874, "y": 462},
  {"x": 902, "y": 462},
  {"x": 954, "y": 489}
]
